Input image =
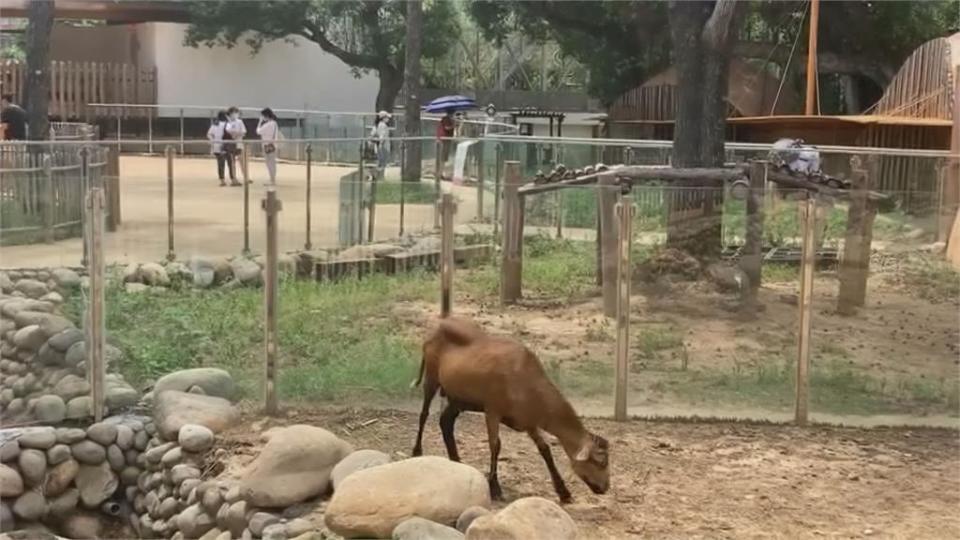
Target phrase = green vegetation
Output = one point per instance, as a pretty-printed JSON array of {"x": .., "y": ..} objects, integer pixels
[{"x": 413, "y": 193}]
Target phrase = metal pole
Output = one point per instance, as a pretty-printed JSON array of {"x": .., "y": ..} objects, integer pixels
[
  {"x": 625, "y": 212},
  {"x": 85, "y": 186},
  {"x": 170, "y": 251},
  {"x": 447, "y": 210},
  {"x": 96, "y": 372},
  {"x": 119, "y": 129},
  {"x": 300, "y": 133},
  {"x": 438, "y": 170},
  {"x": 511, "y": 267},
  {"x": 808, "y": 209},
  {"x": 480, "y": 175},
  {"x": 810, "y": 102},
  {"x": 360, "y": 189},
  {"x": 271, "y": 206},
  {"x": 372, "y": 214},
  {"x": 559, "y": 198},
  {"x": 245, "y": 166},
  {"x": 307, "y": 245},
  {"x": 497, "y": 166},
  {"x": 403, "y": 203},
  {"x": 150, "y": 131},
  {"x": 48, "y": 202},
  {"x": 181, "y": 132}
]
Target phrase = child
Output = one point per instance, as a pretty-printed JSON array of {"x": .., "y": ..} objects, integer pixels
[{"x": 215, "y": 136}]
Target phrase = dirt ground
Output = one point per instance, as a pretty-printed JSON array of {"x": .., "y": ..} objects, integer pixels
[
  {"x": 208, "y": 219},
  {"x": 695, "y": 480},
  {"x": 897, "y": 340}
]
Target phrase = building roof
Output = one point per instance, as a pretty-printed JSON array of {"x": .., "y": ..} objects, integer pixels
[
  {"x": 860, "y": 119},
  {"x": 128, "y": 11}
]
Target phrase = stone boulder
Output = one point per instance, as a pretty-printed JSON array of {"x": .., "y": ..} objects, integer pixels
[
  {"x": 372, "y": 502},
  {"x": 530, "y": 518},
  {"x": 96, "y": 483},
  {"x": 11, "y": 484},
  {"x": 417, "y": 528},
  {"x": 31, "y": 288},
  {"x": 194, "y": 438},
  {"x": 293, "y": 466},
  {"x": 62, "y": 341},
  {"x": 50, "y": 409},
  {"x": 154, "y": 274},
  {"x": 246, "y": 271},
  {"x": 214, "y": 382},
  {"x": 357, "y": 461},
  {"x": 172, "y": 410},
  {"x": 66, "y": 278}
]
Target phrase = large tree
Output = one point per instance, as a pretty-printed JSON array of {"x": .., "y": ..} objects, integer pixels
[
  {"x": 367, "y": 35},
  {"x": 411, "y": 125},
  {"x": 39, "y": 26}
]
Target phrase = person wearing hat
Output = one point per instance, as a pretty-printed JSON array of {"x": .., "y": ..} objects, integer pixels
[{"x": 381, "y": 138}]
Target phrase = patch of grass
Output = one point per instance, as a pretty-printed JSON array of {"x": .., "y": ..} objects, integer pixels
[
  {"x": 413, "y": 192},
  {"x": 779, "y": 273},
  {"x": 652, "y": 339}
]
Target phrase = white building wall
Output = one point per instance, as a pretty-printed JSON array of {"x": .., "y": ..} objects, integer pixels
[{"x": 281, "y": 75}]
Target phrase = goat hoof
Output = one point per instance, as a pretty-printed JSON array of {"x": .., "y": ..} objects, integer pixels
[
  {"x": 417, "y": 452},
  {"x": 565, "y": 498},
  {"x": 495, "y": 492}
]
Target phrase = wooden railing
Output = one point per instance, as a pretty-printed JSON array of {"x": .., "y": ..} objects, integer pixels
[{"x": 75, "y": 84}]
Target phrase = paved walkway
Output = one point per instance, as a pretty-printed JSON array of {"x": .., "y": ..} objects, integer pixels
[{"x": 209, "y": 219}]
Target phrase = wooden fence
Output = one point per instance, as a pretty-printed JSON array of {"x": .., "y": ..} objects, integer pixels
[{"x": 75, "y": 84}]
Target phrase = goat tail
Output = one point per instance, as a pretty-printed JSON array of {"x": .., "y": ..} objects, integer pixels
[{"x": 419, "y": 379}]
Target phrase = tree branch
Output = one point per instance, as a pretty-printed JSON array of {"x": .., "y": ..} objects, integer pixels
[
  {"x": 316, "y": 34},
  {"x": 716, "y": 32},
  {"x": 828, "y": 62}
]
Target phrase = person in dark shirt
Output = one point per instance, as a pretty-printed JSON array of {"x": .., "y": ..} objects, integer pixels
[{"x": 13, "y": 118}]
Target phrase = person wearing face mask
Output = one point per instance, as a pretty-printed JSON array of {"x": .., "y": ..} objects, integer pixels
[
  {"x": 269, "y": 132},
  {"x": 233, "y": 135},
  {"x": 224, "y": 159}
]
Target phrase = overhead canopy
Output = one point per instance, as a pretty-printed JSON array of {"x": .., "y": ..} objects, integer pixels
[{"x": 127, "y": 11}]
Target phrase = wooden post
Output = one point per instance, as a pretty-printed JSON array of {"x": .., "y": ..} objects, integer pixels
[
  {"x": 811, "y": 96},
  {"x": 438, "y": 170},
  {"x": 271, "y": 206},
  {"x": 608, "y": 194},
  {"x": 307, "y": 245},
  {"x": 403, "y": 202},
  {"x": 150, "y": 131},
  {"x": 447, "y": 211},
  {"x": 479, "y": 147},
  {"x": 48, "y": 202},
  {"x": 360, "y": 190},
  {"x": 559, "y": 216},
  {"x": 170, "y": 251},
  {"x": 85, "y": 187},
  {"x": 372, "y": 213},
  {"x": 112, "y": 172},
  {"x": 96, "y": 370},
  {"x": 181, "y": 132},
  {"x": 752, "y": 256},
  {"x": 511, "y": 268},
  {"x": 625, "y": 213},
  {"x": 245, "y": 169},
  {"x": 808, "y": 212},
  {"x": 855, "y": 265}
]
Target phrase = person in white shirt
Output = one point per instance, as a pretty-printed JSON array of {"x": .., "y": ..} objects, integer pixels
[
  {"x": 215, "y": 136},
  {"x": 269, "y": 132},
  {"x": 381, "y": 137},
  {"x": 234, "y": 132}
]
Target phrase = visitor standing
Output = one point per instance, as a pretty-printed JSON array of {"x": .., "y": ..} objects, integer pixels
[
  {"x": 445, "y": 130},
  {"x": 233, "y": 135},
  {"x": 381, "y": 137},
  {"x": 224, "y": 161},
  {"x": 13, "y": 118},
  {"x": 269, "y": 132}
]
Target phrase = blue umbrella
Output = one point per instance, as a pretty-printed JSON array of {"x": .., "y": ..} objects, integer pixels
[{"x": 456, "y": 103}]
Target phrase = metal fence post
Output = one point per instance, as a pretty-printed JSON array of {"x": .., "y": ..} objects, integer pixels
[
  {"x": 150, "y": 131},
  {"x": 625, "y": 212},
  {"x": 447, "y": 211},
  {"x": 271, "y": 206},
  {"x": 307, "y": 245},
  {"x": 85, "y": 186},
  {"x": 480, "y": 175},
  {"x": 245, "y": 166},
  {"x": 372, "y": 209},
  {"x": 171, "y": 254},
  {"x": 511, "y": 267},
  {"x": 181, "y": 132},
  {"x": 497, "y": 166},
  {"x": 48, "y": 202},
  {"x": 808, "y": 213},
  {"x": 96, "y": 372},
  {"x": 438, "y": 171}
]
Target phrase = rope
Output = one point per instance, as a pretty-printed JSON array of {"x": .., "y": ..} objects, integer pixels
[{"x": 786, "y": 69}]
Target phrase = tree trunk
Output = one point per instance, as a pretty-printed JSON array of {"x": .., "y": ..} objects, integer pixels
[
  {"x": 413, "y": 157},
  {"x": 37, "y": 95},
  {"x": 699, "y": 33},
  {"x": 391, "y": 80}
]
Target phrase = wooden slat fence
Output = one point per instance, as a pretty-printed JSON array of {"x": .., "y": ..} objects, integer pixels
[{"x": 75, "y": 84}]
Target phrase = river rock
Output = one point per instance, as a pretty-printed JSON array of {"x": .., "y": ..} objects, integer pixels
[
  {"x": 29, "y": 338},
  {"x": 41, "y": 438},
  {"x": 193, "y": 522},
  {"x": 64, "y": 504},
  {"x": 11, "y": 483},
  {"x": 173, "y": 410},
  {"x": 66, "y": 278},
  {"x": 33, "y": 466},
  {"x": 214, "y": 382},
  {"x": 167, "y": 508},
  {"x": 52, "y": 325},
  {"x": 6, "y": 518},
  {"x": 357, "y": 461},
  {"x": 82, "y": 525},
  {"x": 31, "y": 506},
  {"x": 261, "y": 520},
  {"x": 154, "y": 274},
  {"x": 530, "y": 518},
  {"x": 31, "y": 287},
  {"x": 372, "y": 502},
  {"x": 469, "y": 515},
  {"x": 124, "y": 437},
  {"x": 237, "y": 517},
  {"x": 50, "y": 409},
  {"x": 102, "y": 433},
  {"x": 172, "y": 457},
  {"x": 182, "y": 472},
  {"x": 155, "y": 454},
  {"x": 80, "y": 407},
  {"x": 120, "y": 395},
  {"x": 115, "y": 458},
  {"x": 60, "y": 477},
  {"x": 96, "y": 483},
  {"x": 246, "y": 271},
  {"x": 58, "y": 453},
  {"x": 9, "y": 450},
  {"x": 194, "y": 438},
  {"x": 88, "y": 452},
  {"x": 71, "y": 386},
  {"x": 293, "y": 466},
  {"x": 417, "y": 528},
  {"x": 61, "y": 342},
  {"x": 70, "y": 435}
]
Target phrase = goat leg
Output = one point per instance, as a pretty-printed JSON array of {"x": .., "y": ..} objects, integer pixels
[
  {"x": 429, "y": 391},
  {"x": 447, "y": 419},
  {"x": 493, "y": 437},
  {"x": 558, "y": 485}
]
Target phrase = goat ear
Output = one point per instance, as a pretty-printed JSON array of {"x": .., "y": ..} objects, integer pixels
[{"x": 584, "y": 453}]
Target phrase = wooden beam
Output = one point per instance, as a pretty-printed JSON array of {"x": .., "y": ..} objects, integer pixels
[
  {"x": 609, "y": 191},
  {"x": 511, "y": 269},
  {"x": 752, "y": 257},
  {"x": 855, "y": 265}
]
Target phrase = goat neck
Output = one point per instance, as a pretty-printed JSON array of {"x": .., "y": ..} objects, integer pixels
[{"x": 563, "y": 423}]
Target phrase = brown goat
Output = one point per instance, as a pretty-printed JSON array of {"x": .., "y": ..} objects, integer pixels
[{"x": 503, "y": 379}]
